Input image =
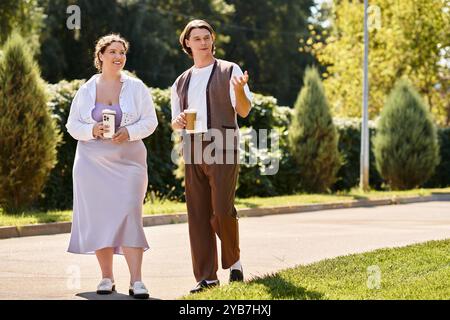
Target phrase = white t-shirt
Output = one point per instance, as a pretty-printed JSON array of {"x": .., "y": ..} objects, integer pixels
[{"x": 197, "y": 95}]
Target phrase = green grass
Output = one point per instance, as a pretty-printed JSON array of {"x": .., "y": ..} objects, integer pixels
[
  {"x": 34, "y": 217},
  {"x": 170, "y": 207},
  {"x": 420, "y": 271},
  {"x": 256, "y": 202}
]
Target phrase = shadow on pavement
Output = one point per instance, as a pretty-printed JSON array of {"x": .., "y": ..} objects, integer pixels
[{"x": 113, "y": 296}]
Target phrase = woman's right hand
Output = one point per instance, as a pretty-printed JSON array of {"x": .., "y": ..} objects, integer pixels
[
  {"x": 99, "y": 129},
  {"x": 179, "y": 122}
]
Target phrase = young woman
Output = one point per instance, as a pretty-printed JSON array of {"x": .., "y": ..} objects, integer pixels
[{"x": 110, "y": 175}]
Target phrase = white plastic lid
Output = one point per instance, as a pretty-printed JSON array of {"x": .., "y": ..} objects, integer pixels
[{"x": 109, "y": 111}]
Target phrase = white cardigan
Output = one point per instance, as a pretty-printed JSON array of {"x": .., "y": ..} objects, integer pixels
[{"x": 138, "y": 111}]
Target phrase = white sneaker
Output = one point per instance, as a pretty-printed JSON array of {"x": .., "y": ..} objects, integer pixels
[
  {"x": 138, "y": 290},
  {"x": 106, "y": 286}
]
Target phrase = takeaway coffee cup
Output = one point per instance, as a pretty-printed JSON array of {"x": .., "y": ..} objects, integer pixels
[
  {"x": 109, "y": 117},
  {"x": 191, "y": 117}
]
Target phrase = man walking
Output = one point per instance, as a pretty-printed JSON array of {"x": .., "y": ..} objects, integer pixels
[{"x": 217, "y": 90}]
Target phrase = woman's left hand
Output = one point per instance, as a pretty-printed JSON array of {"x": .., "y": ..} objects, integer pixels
[{"x": 121, "y": 135}]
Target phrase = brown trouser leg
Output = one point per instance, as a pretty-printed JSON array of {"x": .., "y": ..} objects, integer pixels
[{"x": 210, "y": 192}]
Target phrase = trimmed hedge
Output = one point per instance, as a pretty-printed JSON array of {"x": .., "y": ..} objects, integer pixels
[
  {"x": 349, "y": 146},
  {"x": 441, "y": 177},
  {"x": 265, "y": 114},
  {"x": 58, "y": 191},
  {"x": 162, "y": 181}
]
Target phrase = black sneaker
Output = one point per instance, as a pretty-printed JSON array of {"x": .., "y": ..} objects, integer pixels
[
  {"x": 202, "y": 285},
  {"x": 236, "y": 275}
]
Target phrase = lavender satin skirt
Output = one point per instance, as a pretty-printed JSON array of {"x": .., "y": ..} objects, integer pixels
[{"x": 109, "y": 185}]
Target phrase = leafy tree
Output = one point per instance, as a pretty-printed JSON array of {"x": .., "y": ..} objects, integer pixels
[
  {"x": 261, "y": 36},
  {"x": 151, "y": 26},
  {"x": 74, "y": 49},
  {"x": 408, "y": 38},
  {"x": 25, "y": 17},
  {"x": 264, "y": 38}
]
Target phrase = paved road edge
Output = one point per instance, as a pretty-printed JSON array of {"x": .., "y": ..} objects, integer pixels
[{"x": 163, "y": 219}]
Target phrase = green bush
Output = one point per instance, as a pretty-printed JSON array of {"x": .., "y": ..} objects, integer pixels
[
  {"x": 350, "y": 149},
  {"x": 162, "y": 181},
  {"x": 286, "y": 179},
  {"x": 313, "y": 139},
  {"x": 266, "y": 114},
  {"x": 58, "y": 191},
  {"x": 28, "y": 133},
  {"x": 406, "y": 146},
  {"x": 441, "y": 177}
]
